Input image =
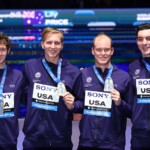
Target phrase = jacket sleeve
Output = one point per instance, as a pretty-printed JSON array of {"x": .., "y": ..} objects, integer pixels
[
  {"x": 24, "y": 86},
  {"x": 127, "y": 99},
  {"x": 79, "y": 94}
]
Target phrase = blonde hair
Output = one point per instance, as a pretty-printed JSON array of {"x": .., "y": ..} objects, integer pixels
[
  {"x": 51, "y": 31},
  {"x": 101, "y": 35}
]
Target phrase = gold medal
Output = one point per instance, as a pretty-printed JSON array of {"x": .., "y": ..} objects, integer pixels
[
  {"x": 61, "y": 88},
  {"x": 109, "y": 86},
  {"x": 1, "y": 107}
]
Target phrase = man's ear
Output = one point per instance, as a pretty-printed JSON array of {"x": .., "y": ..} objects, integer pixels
[
  {"x": 42, "y": 45},
  {"x": 112, "y": 51},
  {"x": 92, "y": 51},
  {"x": 62, "y": 46},
  {"x": 8, "y": 51}
]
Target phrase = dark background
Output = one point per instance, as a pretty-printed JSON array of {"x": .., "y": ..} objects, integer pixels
[{"x": 64, "y": 4}]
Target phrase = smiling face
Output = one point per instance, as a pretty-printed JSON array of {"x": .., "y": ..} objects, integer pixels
[
  {"x": 3, "y": 53},
  {"x": 52, "y": 44},
  {"x": 102, "y": 51},
  {"x": 143, "y": 42},
  {"x": 5, "y": 45}
]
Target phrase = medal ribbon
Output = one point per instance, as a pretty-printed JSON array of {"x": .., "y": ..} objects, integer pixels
[
  {"x": 2, "y": 82},
  {"x": 146, "y": 65},
  {"x": 98, "y": 75},
  {"x": 56, "y": 79}
]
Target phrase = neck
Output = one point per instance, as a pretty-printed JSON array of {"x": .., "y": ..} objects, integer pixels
[
  {"x": 146, "y": 56},
  {"x": 103, "y": 67},
  {"x": 2, "y": 65},
  {"x": 52, "y": 60}
]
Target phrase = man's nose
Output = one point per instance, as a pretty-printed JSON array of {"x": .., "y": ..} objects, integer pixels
[
  {"x": 103, "y": 52},
  {"x": 53, "y": 45},
  {"x": 144, "y": 41}
]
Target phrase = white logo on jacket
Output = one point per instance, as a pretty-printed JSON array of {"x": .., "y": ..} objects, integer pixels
[
  {"x": 88, "y": 79},
  {"x": 12, "y": 86},
  {"x": 137, "y": 71},
  {"x": 37, "y": 75}
]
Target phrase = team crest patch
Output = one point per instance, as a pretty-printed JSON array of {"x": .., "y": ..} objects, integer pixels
[
  {"x": 88, "y": 82},
  {"x": 38, "y": 75},
  {"x": 12, "y": 86},
  {"x": 88, "y": 79},
  {"x": 137, "y": 71}
]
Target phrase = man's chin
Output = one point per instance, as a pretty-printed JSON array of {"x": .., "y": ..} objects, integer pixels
[
  {"x": 103, "y": 62},
  {"x": 2, "y": 62},
  {"x": 146, "y": 54}
]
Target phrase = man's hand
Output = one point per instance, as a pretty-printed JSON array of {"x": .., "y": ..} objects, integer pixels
[
  {"x": 115, "y": 95},
  {"x": 69, "y": 100}
]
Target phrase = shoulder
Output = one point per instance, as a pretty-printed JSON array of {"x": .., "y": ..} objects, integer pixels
[
  {"x": 14, "y": 75},
  {"x": 87, "y": 70},
  {"x": 88, "y": 73},
  {"x": 32, "y": 61},
  {"x": 134, "y": 64},
  {"x": 119, "y": 73},
  {"x": 14, "y": 72},
  {"x": 124, "y": 73}
]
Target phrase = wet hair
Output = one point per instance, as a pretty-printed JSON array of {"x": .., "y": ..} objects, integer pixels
[
  {"x": 100, "y": 35},
  {"x": 144, "y": 26},
  {"x": 5, "y": 40},
  {"x": 51, "y": 31}
]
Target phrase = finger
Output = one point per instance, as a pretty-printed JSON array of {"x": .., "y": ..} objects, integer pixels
[{"x": 65, "y": 94}]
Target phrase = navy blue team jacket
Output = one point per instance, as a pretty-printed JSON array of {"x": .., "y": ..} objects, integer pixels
[
  {"x": 141, "y": 112},
  {"x": 55, "y": 127},
  {"x": 9, "y": 128},
  {"x": 107, "y": 132}
]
